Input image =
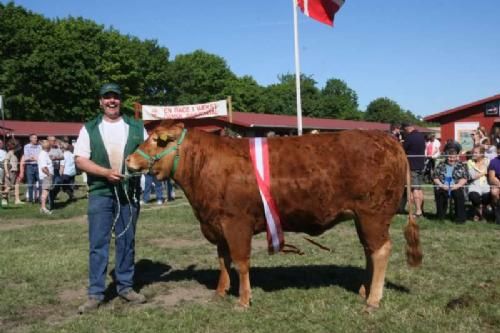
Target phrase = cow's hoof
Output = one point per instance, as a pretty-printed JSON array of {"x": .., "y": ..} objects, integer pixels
[
  {"x": 241, "y": 307},
  {"x": 216, "y": 297},
  {"x": 362, "y": 291},
  {"x": 370, "y": 308}
]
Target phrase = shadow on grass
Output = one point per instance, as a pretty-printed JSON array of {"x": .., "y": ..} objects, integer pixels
[{"x": 267, "y": 278}]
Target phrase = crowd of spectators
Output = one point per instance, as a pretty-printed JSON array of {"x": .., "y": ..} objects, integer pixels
[
  {"x": 45, "y": 166},
  {"x": 454, "y": 174}
]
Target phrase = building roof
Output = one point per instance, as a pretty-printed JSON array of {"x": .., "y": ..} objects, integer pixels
[
  {"x": 40, "y": 128},
  {"x": 437, "y": 116},
  {"x": 249, "y": 119}
]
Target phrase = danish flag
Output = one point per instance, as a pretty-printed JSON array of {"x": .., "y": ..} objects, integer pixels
[{"x": 320, "y": 10}]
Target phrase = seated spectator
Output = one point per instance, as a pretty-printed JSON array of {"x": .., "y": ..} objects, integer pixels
[
  {"x": 450, "y": 177},
  {"x": 494, "y": 179},
  {"x": 490, "y": 150},
  {"x": 479, "y": 189}
]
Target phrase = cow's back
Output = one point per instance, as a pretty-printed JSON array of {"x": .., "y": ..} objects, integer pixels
[{"x": 321, "y": 178}]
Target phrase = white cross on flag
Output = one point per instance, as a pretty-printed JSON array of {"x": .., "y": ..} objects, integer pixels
[{"x": 320, "y": 10}]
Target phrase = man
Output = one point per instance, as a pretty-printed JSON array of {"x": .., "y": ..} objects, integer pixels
[
  {"x": 100, "y": 151},
  {"x": 396, "y": 131},
  {"x": 414, "y": 146},
  {"x": 494, "y": 180},
  {"x": 30, "y": 158},
  {"x": 56, "y": 155}
]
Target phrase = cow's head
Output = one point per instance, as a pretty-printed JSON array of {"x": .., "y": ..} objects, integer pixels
[{"x": 159, "y": 152}]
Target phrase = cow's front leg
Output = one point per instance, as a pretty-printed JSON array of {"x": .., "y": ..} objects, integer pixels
[
  {"x": 239, "y": 238},
  {"x": 225, "y": 266},
  {"x": 243, "y": 267}
]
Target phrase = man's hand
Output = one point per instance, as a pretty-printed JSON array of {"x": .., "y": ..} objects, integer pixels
[{"x": 114, "y": 176}]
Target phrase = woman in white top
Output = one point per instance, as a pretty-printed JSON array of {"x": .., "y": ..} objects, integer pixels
[
  {"x": 46, "y": 174},
  {"x": 479, "y": 189}
]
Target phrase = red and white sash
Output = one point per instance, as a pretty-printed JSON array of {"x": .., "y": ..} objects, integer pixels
[{"x": 260, "y": 161}]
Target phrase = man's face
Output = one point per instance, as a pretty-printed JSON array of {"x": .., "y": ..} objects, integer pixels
[
  {"x": 52, "y": 141},
  {"x": 110, "y": 103},
  {"x": 33, "y": 139}
]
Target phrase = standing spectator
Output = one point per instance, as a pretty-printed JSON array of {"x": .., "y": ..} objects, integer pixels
[
  {"x": 494, "y": 179},
  {"x": 149, "y": 181},
  {"x": 68, "y": 170},
  {"x": 12, "y": 167},
  {"x": 3, "y": 153},
  {"x": 31, "y": 151},
  {"x": 479, "y": 190},
  {"x": 170, "y": 189},
  {"x": 56, "y": 155},
  {"x": 450, "y": 177},
  {"x": 414, "y": 146},
  {"x": 396, "y": 131},
  {"x": 495, "y": 136},
  {"x": 102, "y": 146},
  {"x": 46, "y": 173},
  {"x": 432, "y": 152}
]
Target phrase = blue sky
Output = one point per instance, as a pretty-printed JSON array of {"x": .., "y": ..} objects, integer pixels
[{"x": 427, "y": 55}]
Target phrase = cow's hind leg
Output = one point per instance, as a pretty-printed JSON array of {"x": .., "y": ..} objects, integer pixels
[
  {"x": 225, "y": 266},
  {"x": 374, "y": 236}
]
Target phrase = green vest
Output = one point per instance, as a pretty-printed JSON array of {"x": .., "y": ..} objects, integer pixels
[{"x": 100, "y": 185}]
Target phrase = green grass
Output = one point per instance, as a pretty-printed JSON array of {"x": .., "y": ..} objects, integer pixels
[{"x": 43, "y": 274}]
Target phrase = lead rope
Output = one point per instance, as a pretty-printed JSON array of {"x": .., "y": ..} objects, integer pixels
[{"x": 130, "y": 222}]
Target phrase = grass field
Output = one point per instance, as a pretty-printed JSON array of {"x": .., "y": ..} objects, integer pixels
[{"x": 43, "y": 278}]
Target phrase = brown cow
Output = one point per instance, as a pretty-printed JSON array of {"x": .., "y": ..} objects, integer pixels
[{"x": 317, "y": 181}]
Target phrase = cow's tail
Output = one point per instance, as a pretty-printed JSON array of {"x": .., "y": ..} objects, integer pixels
[{"x": 413, "y": 249}]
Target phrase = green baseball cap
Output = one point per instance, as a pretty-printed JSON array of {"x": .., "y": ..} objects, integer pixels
[{"x": 110, "y": 87}]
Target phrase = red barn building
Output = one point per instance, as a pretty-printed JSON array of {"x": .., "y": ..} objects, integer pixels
[{"x": 458, "y": 123}]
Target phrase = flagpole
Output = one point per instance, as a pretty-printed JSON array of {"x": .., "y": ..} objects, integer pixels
[{"x": 297, "y": 68}]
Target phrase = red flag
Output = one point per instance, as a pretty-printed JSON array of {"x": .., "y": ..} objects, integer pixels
[{"x": 320, "y": 10}]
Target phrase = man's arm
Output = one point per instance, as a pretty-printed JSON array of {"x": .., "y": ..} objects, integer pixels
[{"x": 88, "y": 166}]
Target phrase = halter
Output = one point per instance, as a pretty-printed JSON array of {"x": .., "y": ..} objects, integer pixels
[{"x": 153, "y": 159}]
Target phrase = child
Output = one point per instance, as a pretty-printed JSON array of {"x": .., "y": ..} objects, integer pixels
[{"x": 46, "y": 174}]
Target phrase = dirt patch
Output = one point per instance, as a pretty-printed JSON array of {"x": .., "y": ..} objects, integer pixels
[
  {"x": 72, "y": 295},
  {"x": 195, "y": 293}
]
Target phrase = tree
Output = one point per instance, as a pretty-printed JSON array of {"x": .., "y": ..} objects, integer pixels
[
  {"x": 246, "y": 94},
  {"x": 198, "y": 77},
  {"x": 338, "y": 101},
  {"x": 280, "y": 98},
  {"x": 52, "y": 69},
  {"x": 388, "y": 111}
]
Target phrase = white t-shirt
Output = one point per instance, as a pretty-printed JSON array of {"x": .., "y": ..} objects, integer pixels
[
  {"x": 114, "y": 135},
  {"x": 69, "y": 163},
  {"x": 44, "y": 161}
]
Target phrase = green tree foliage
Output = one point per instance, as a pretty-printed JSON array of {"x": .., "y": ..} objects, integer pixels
[
  {"x": 338, "y": 101},
  {"x": 198, "y": 77},
  {"x": 280, "y": 98},
  {"x": 51, "y": 69},
  {"x": 388, "y": 111}
]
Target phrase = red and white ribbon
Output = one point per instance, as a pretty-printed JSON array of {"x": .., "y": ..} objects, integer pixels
[{"x": 260, "y": 161}]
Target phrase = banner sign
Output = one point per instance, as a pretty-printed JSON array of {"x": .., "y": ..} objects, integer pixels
[
  {"x": 492, "y": 109},
  {"x": 212, "y": 109}
]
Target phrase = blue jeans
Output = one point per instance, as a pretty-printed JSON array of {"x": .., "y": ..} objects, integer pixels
[
  {"x": 170, "y": 189},
  {"x": 148, "y": 182},
  {"x": 31, "y": 179},
  {"x": 101, "y": 214}
]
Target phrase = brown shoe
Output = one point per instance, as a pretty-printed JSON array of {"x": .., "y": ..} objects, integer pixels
[
  {"x": 89, "y": 305},
  {"x": 133, "y": 298}
]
